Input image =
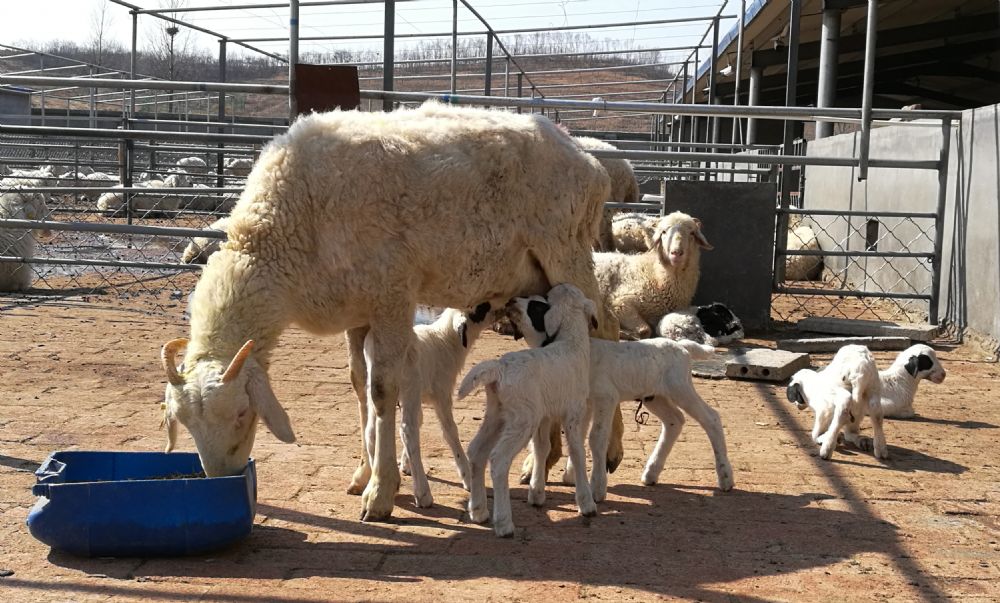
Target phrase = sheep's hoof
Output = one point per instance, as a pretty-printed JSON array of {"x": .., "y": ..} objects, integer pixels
[
  {"x": 588, "y": 509},
  {"x": 504, "y": 530},
  {"x": 423, "y": 500},
  {"x": 478, "y": 514},
  {"x": 377, "y": 501},
  {"x": 726, "y": 479},
  {"x": 536, "y": 498}
]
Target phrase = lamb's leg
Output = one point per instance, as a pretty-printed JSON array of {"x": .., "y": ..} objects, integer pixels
[
  {"x": 687, "y": 398},
  {"x": 878, "y": 435},
  {"x": 449, "y": 430},
  {"x": 480, "y": 448},
  {"x": 600, "y": 432},
  {"x": 828, "y": 441},
  {"x": 575, "y": 423},
  {"x": 555, "y": 452},
  {"x": 540, "y": 450},
  {"x": 412, "y": 418},
  {"x": 391, "y": 341},
  {"x": 514, "y": 437},
  {"x": 821, "y": 424},
  {"x": 672, "y": 421},
  {"x": 359, "y": 376}
]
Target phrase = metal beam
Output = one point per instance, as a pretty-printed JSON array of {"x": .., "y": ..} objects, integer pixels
[
  {"x": 869, "y": 87},
  {"x": 389, "y": 51},
  {"x": 826, "y": 93},
  {"x": 781, "y": 234}
]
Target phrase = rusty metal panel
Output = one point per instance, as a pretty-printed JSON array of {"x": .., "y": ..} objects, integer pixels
[{"x": 326, "y": 87}]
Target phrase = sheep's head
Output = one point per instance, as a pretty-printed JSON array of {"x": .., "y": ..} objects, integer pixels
[
  {"x": 795, "y": 392},
  {"x": 921, "y": 362},
  {"x": 539, "y": 319},
  {"x": 678, "y": 238},
  {"x": 219, "y": 404}
]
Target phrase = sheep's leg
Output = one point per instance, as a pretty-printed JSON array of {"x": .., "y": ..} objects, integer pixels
[
  {"x": 821, "y": 423},
  {"x": 575, "y": 424},
  {"x": 513, "y": 439},
  {"x": 555, "y": 452},
  {"x": 687, "y": 398},
  {"x": 841, "y": 416},
  {"x": 672, "y": 421},
  {"x": 632, "y": 323},
  {"x": 449, "y": 430},
  {"x": 479, "y": 451},
  {"x": 539, "y": 449},
  {"x": 412, "y": 418},
  {"x": 600, "y": 433},
  {"x": 391, "y": 340},
  {"x": 359, "y": 376},
  {"x": 878, "y": 435}
]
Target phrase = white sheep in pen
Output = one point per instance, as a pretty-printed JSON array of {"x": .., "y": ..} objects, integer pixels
[
  {"x": 640, "y": 289},
  {"x": 470, "y": 205},
  {"x": 801, "y": 237},
  {"x": 624, "y": 186},
  {"x": 166, "y": 202},
  {"x": 633, "y": 232},
  {"x": 525, "y": 391},
  {"x": 18, "y": 242},
  {"x": 900, "y": 381},
  {"x": 437, "y": 355},
  {"x": 238, "y": 166},
  {"x": 841, "y": 396},
  {"x": 656, "y": 371},
  {"x": 193, "y": 165}
]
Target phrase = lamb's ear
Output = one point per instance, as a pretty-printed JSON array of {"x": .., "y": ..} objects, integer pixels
[
  {"x": 266, "y": 405},
  {"x": 480, "y": 312},
  {"x": 912, "y": 365},
  {"x": 461, "y": 332},
  {"x": 699, "y": 237},
  {"x": 591, "y": 309},
  {"x": 924, "y": 362},
  {"x": 536, "y": 314},
  {"x": 794, "y": 393}
]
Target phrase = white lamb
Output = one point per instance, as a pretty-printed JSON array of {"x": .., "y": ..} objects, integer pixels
[
  {"x": 900, "y": 381},
  {"x": 713, "y": 324},
  {"x": 640, "y": 289},
  {"x": 200, "y": 248},
  {"x": 656, "y": 371},
  {"x": 633, "y": 232},
  {"x": 437, "y": 355},
  {"x": 113, "y": 200},
  {"x": 193, "y": 165},
  {"x": 525, "y": 391},
  {"x": 471, "y": 205},
  {"x": 841, "y": 395},
  {"x": 17, "y": 242}
]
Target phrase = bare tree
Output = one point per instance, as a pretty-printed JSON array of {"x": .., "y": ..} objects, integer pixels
[
  {"x": 101, "y": 20},
  {"x": 169, "y": 42}
]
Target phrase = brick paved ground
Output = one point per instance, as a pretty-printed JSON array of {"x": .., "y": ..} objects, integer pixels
[{"x": 923, "y": 526}]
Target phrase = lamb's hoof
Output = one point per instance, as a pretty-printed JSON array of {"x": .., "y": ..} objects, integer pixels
[
  {"x": 569, "y": 477},
  {"x": 649, "y": 478},
  {"x": 726, "y": 479},
  {"x": 356, "y": 489},
  {"x": 404, "y": 469},
  {"x": 505, "y": 529},
  {"x": 478, "y": 514},
  {"x": 865, "y": 444},
  {"x": 423, "y": 500},
  {"x": 588, "y": 509},
  {"x": 882, "y": 455},
  {"x": 536, "y": 498},
  {"x": 377, "y": 500},
  {"x": 600, "y": 493},
  {"x": 825, "y": 454}
]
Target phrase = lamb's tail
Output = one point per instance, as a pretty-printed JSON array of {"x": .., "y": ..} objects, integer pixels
[
  {"x": 481, "y": 375},
  {"x": 697, "y": 351}
]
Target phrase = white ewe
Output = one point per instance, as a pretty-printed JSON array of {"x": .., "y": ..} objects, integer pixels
[
  {"x": 640, "y": 289},
  {"x": 633, "y": 232},
  {"x": 656, "y": 371},
  {"x": 17, "y": 242},
  {"x": 841, "y": 395},
  {"x": 624, "y": 186},
  {"x": 471, "y": 205},
  {"x": 525, "y": 391},
  {"x": 900, "y": 381},
  {"x": 802, "y": 267}
]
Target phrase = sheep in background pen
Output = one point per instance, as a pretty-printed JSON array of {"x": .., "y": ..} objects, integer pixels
[
  {"x": 472, "y": 205},
  {"x": 238, "y": 166},
  {"x": 437, "y": 355},
  {"x": 633, "y": 232},
  {"x": 656, "y": 371},
  {"x": 193, "y": 165},
  {"x": 640, "y": 289},
  {"x": 166, "y": 202},
  {"x": 624, "y": 186},
  {"x": 17, "y": 242},
  {"x": 801, "y": 237},
  {"x": 526, "y": 390},
  {"x": 841, "y": 396},
  {"x": 899, "y": 381}
]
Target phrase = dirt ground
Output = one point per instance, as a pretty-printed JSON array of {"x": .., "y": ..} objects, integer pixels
[{"x": 922, "y": 526}]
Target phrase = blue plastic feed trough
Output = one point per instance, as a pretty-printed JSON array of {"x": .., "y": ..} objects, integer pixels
[{"x": 142, "y": 504}]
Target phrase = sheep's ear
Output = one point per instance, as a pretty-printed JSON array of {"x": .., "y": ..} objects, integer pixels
[
  {"x": 699, "y": 236},
  {"x": 266, "y": 405}
]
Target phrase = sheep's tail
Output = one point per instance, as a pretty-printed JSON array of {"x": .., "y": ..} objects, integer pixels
[
  {"x": 481, "y": 375},
  {"x": 697, "y": 351}
]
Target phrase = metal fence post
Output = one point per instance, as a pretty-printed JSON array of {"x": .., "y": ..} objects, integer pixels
[
  {"x": 520, "y": 78},
  {"x": 389, "y": 51},
  {"x": 869, "y": 84},
  {"x": 219, "y": 157},
  {"x": 454, "y": 46},
  {"x": 488, "y": 86},
  {"x": 826, "y": 92},
  {"x": 933, "y": 309},
  {"x": 791, "y": 84},
  {"x": 132, "y": 61},
  {"x": 293, "y": 57}
]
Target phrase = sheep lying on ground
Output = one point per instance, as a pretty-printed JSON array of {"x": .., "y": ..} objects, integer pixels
[
  {"x": 714, "y": 324},
  {"x": 633, "y": 232},
  {"x": 437, "y": 355},
  {"x": 471, "y": 205},
  {"x": 802, "y": 267},
  {"x": 193, "y": 165},
  {"x": 841, "y": 395},
  {"x": 640, "y": 289},
  {"x": 624, "y": 186},
  {"x": 200, "y": 248},
  {"x": 17, "y": 242},
  {"x": 238, "y": 166},
  {"x": 525, "y": 391},
  {"x": 656, "y": 371},
  {"x": 113, "y": 200},
  {"x": 900, "y": 381}
]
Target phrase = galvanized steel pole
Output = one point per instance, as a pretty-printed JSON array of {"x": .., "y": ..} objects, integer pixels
[
  {"x": 488, "y": 86},
  {"x": 293, "y": 57},
  {"x": 869, "y": 84},
  {"x": 711, "y": 77},
  {"x": 219, "y": 158},
  {"x": 454, "y": 46},
  {"x": 132, "y": 61},
  {"x": 933, "y": 311},
  {"x": 739, "y": 69},
  {"x": 389, "y": 52},
  {"x": 753, "y": 99},
  {"x": 791, "y": 85},
  {"x": 828, "y": 57}
]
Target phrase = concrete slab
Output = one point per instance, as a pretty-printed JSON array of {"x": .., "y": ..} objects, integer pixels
[
  {"x": 832, "y": 344},
  {"x": 765, "y": 364},
  {"x": 869, "y": 328}
]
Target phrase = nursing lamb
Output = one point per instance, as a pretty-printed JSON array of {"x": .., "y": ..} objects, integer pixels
[{"x": 347, "y": 222}]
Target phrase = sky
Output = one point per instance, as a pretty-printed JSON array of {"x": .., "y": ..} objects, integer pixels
[{"x": 31, "y": 23}]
